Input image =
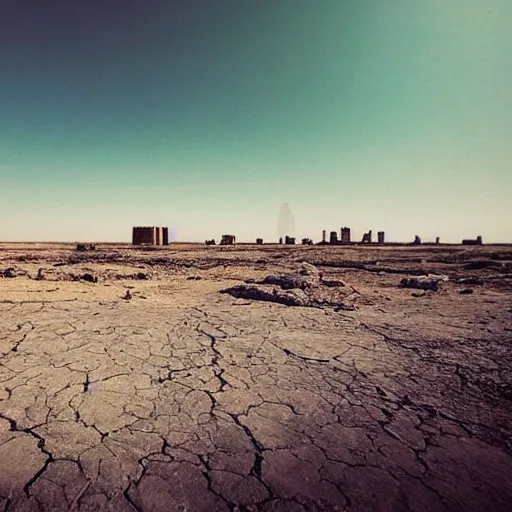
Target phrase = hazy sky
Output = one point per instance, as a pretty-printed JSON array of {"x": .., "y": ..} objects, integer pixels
[{"x": 207, "y": 115}]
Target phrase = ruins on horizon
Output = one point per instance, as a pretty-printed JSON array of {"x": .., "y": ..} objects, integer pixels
[{"x": 153, "y": 235}]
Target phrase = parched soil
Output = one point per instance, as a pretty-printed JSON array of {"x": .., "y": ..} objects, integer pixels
[{"x": 129, "y": 382}]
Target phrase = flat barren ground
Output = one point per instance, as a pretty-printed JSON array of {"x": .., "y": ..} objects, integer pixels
[{"x": 128, "y": 382}]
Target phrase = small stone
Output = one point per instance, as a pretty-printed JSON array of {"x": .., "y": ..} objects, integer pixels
[
  {"x": 420, "y": 283},
  {"x": 89, "y": 278}
]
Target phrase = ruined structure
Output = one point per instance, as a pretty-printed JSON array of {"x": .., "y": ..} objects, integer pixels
[
  {"x": 227, "y": 240},
  {"x": 259, "y": 241},
  {"x": 367, "y": 237},
  {"x": 85, "y": 247},
  {"x": 143, "y": 235},
  {"x": 333, "y": 238},
  {"x": 323, "y": 237},
  {"x": 281, "y": 241},
  {"x": 289, "y": 240},
  {"x": 417, "y": 240},
  {"x": 477, "y": 241},
  {"x": 210, "y": 242},
  {"x": 380, "y": 237},
  {"x": 307, "y": 241},
  {"x": 345, "y": 235},
  {"x": 437, "y": 239}
]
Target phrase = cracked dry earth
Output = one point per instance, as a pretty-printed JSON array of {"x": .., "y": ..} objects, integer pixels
[{"x": 186, "y": 399}]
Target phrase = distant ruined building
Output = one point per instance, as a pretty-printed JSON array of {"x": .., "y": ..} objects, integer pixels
[
  {"x": 143, "y": 235},
  {"x": 367, "y": 237},
  {"x": 227, "y": 240},
  {"x": 477, "y": 241}
]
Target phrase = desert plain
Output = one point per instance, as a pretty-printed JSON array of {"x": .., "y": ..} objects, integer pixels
[{"x": 158, "y": 379}]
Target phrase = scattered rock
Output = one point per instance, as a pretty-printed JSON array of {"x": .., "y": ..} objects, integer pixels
[
  {"x": 310, "y": 271},
  {"x": 40, "y": 275},
  {"x": 127, "y": 295},
  {"x": 287, "y": 282},
  {"x": 479, "y": 264},
  {"x": 418, "y": 294},
  {"x": 472, "y": 281},
  {"x": 89, "y": 278},
  {"x": 11, "y": 272},
  {"x": 269, "y": 294},
  {"x": 332, "y": 283},
  {"x": 466, "y": 291},
  {"x": 345, "y": 307},
  {"x": 420, "y": 283},
  {"x": 193, "y": 278}
]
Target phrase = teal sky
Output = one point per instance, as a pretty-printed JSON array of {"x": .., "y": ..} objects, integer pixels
[{"x": 206, "y": 116}]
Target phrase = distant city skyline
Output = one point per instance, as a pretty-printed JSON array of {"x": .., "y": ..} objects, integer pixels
[{"x": 207, "y": 116}]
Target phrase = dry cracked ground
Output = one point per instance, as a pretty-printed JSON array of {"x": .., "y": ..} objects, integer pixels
[{"x": 176, "y": 397}]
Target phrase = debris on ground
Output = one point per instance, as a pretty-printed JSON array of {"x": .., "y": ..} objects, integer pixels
[
  {"x": 345, "y": 307},
  {"x": 419, "y": 283},
  {"x": 11, "y": 272},
  {"x": 89, "y": 278},
  {"x": 310, "y": 271},
  {"x": 270, "y": 294},
  {"x": 305, "y": 287},
  {"x": 472, "y": 281},
  {"x": 127, "y": 295},
  {"x": 466, "y": 291},
  {"x": 287, "y": 282},
  {"x": 332, "y": 283}
]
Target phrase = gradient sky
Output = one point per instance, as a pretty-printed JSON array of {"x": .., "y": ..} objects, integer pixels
[{"x": 207, "y": 115}]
